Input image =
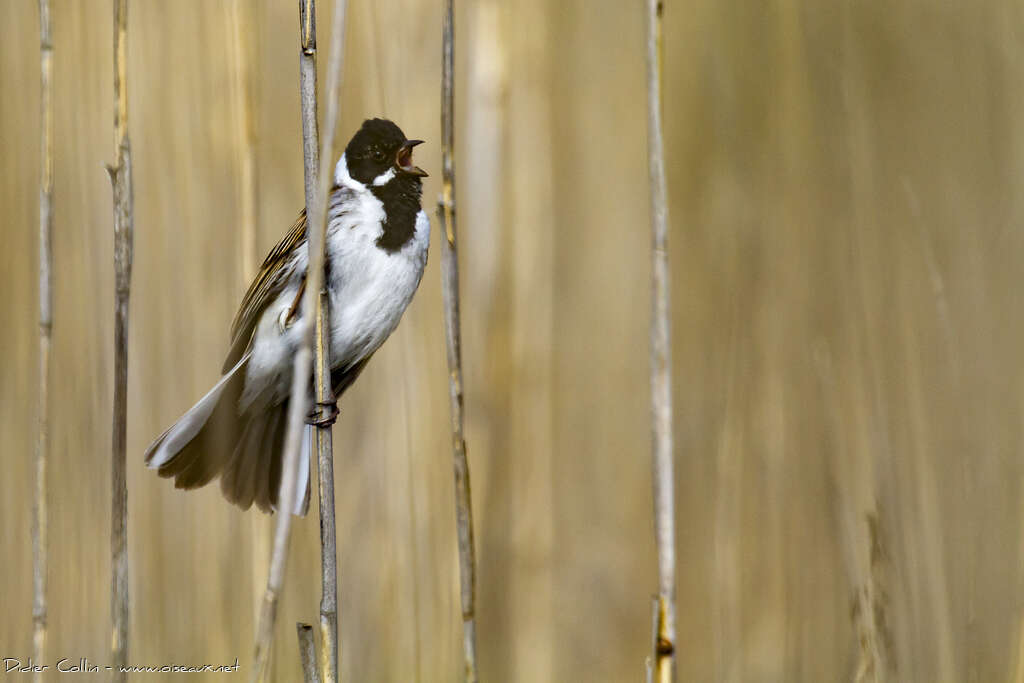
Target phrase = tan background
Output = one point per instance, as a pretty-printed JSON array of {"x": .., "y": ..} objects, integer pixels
[{"x": 846, "y": 244}]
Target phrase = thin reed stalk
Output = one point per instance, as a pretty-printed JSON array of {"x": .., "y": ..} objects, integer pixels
[
  {"x": 307, "y": 653},
  {"x": 328, "y": 653},
  {"x": 121, "y": 180},
  {"x": 328, "y": 529},
  {"x": 316, "y": 230},
  {"x": 40, "y": 557},
  {"x": 661, "y": 362},
  {"x": 453, "y": 338}
]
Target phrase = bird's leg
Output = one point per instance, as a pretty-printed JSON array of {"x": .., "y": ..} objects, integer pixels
[
  {"x": 324, "y": 415},
  {"x": 295, "y": 304},
  {"x": 285, "y": 321}
]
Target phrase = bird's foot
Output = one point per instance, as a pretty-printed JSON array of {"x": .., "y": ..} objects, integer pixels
[
  {"x": 283, "y": 321},
  {"x": 325, "y": 414},
  {"x": 287, "y": 317}
]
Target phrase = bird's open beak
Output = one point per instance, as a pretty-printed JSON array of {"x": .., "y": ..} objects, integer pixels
[{"x": 403, "y": 160}]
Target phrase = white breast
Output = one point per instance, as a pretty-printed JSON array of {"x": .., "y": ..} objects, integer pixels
[{"x": 370, "y": 288}]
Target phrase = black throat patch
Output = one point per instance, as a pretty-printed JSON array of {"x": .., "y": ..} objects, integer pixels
[{"x": 401, "y": 199}]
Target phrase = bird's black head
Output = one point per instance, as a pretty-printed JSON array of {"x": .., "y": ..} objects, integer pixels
[{"x": 380, "y": 147}]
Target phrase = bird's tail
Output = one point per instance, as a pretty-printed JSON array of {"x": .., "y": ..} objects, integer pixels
[
  {"x": 246, "y": 450},
  {"x": 253, "y": 472}
]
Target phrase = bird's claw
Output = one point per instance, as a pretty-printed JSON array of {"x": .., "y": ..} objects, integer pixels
[
  {"x": 283, "y": 321},
  {"x": 325, "y": 414}
]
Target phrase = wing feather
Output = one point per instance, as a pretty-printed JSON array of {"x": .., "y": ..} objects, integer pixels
[{"x": 264, "y": 288}]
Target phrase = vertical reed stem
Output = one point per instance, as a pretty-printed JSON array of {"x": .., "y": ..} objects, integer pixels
[
  {"x": 315, "y": 233},
  {"x": 450, "y": 288},
  {"x": 121, "y": 180},
  {"x": 307, "y": 653},
  {"x": 40, "y": 545},
  {"x": 328, "y": 653},
  {"x": 661, "y": 362},
  {"x": 328, "y": 530}
]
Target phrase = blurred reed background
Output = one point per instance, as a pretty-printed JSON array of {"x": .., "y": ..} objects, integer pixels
[{"x": 844, "y": 183}]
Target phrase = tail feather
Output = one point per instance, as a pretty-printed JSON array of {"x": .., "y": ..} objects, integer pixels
[
  {"x": 302, "y": 483},
  {"x": 211, "y": 449},
  {"x": 194, "y": 445},
  {"x": 249, "y": 472},
  {"x": 213, "y": 439},
  {"x": 237, "y": 481},
  {"x": 268, "y": 500},
  {"x": 274, "y": 471},
  {"x": 264, "y": 493}
]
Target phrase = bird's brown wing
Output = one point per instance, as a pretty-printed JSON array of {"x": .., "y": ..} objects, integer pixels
[{"x": 264, "y": 288}]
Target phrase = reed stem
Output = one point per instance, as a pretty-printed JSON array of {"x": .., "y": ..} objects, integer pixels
[
  {"x": 121, "y": 180},
  {"x": 453, "y": 339}
]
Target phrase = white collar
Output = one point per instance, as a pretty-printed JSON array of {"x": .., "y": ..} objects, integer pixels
[{"x": 343, "y": 179}]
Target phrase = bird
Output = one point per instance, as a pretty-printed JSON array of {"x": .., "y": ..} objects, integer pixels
[{"x": 376, "y": 250}]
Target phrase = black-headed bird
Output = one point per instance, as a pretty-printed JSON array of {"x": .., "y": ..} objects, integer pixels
[{"x": 376, "y": 250}]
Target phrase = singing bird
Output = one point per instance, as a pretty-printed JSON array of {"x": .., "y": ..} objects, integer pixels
[{"x": 376, "y": 250}]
